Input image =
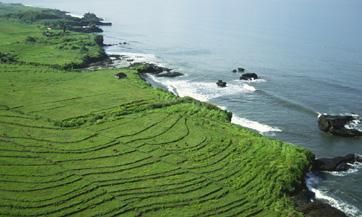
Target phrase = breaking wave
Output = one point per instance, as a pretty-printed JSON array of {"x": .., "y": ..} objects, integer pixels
[
  {"x": 202, "y": 91},
  {"x": 312, "y": 182},
  {"x": 261, "y": 128},
  {"x": 355, "y": 167}
]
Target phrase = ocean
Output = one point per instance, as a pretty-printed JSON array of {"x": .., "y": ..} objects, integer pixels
[{"x": 308, "y": 54}]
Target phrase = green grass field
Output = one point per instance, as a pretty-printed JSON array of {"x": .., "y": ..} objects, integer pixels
[
  {"x": 62, "y": 50},
  {"x": 84, "y": 143}
]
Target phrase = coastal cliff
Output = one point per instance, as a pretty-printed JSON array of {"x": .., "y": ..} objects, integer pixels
[{"x": 94, "y": 143}]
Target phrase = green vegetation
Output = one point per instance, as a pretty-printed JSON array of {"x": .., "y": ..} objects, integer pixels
[
  {"x": 52, "y": 18},
  {"x": 37, "y": 45},
  {"x": 85, "y": 143}
]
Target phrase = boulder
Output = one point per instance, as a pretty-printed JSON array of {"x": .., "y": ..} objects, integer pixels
[
  {"x": 151, "y": 68},
  {"x": 305, "y": 202},
  {"x": 249, "y": 76},
  {"x": 155, "y": 70},
  {"x": 241, "y": 69},
  {"x": 221, "y": 83},
  {"x": 335, "y": 164},
  {"x": 120, "y": 75},
  {"x": 171, "y": 74},
  {"x": 235, "y": 71},
  {"x": 347, "y": 125}
]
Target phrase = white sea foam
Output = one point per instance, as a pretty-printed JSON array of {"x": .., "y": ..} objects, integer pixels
[
  {"x": 252, "y": 81},
  {"x": 355, "y": 167},
  {"x": 323, "y": 195},
  {"x": 261, "y": 128},
  {"x": 202, "y": 91},
  {"x": 222, "y": 107},
  {"x": 75, "y": 15},
  {"x": 139, "y": 57},
  {"x": 354, "y": 125},
  {"x": 205, "y": 91}
]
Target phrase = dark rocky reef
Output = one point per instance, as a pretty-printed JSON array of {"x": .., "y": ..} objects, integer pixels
[
  {"x": 336, "y": 163},
  {"x": 305, "y": 202},
  {"x": 171, "y": 74},
  {"x": 156, "y": 70},
  {"x": 347, "y": 125},
  {"x": 249, "y": 76},
  {"x": 221, "y": 83},
  {"x": 239, "y": 70}
]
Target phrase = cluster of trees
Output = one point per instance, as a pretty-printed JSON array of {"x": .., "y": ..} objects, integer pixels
[
  {"x": 7, "y": 58},
  {"x": 57, "y": 19}
]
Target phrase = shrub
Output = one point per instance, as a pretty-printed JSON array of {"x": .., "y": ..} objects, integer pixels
[{"x": 30, "y": 39}]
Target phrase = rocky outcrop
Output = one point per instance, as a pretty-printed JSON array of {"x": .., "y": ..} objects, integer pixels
[
  {"x": 249, "y": 76},
  {"x": 156, "y": 70},
  {"x": 347, "y": 125},
  {"x": 305, "y": 202},
  {"x": 221, "y": 83},
  {"x": 336, "y": 163},
  {"x": 241, "y": 69},
  {"x": 171, "y": 74}
]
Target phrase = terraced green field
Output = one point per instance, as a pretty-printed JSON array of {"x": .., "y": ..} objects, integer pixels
[{"x": 84, "y": 143}]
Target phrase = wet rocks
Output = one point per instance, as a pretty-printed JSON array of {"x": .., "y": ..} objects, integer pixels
[
  {"x": 305, "y": 202},
  {"x": 347, "y": 125},
  {"x": 241, "y": 69},
  {"x": 221, "y": 83},
  {"x": 335, "y": 164},
  {"x": 249, "y": 76},
  {"x": 170, "y": 74},
  {"x": 156, "y": 70}
]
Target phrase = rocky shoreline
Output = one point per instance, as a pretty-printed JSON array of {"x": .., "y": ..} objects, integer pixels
[{"x": 303, "y": 198}]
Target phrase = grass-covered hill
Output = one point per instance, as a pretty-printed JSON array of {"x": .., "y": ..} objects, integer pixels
[{"x": 84, "y": 143}]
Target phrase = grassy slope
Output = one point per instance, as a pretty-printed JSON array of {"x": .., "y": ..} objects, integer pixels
[
  {"x": 91, "y": 145},
  {"x": 60, "y": 50}
]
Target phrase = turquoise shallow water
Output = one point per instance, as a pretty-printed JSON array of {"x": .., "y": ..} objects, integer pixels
[{"x": 309, "y": 54}]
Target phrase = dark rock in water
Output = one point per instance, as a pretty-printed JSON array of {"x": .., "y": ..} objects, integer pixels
[
  {"x": 156, "y": 70},
  {"x": 171, "y": 74},
  {"x": 306, "y": 203},
  {"x": 249, "y": 76},
  {"x": 221, "y": 83},
  {"x": 335, "y": 164},
  {"x": 120, "y": 75},
  {"x": 241, "y": 70},
  {"x": 316, "y": 208},
  {"x": 150, "y": 68},
  {"x": 341, "y": 125},
  {"x": 235, "y": 71}
]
